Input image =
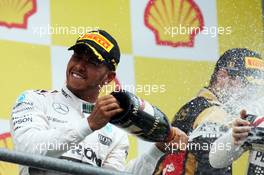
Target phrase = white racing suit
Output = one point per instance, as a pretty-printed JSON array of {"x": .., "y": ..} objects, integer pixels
[
  {"x": 220, "y": 157},
  {"x": 55, "y": 124}
]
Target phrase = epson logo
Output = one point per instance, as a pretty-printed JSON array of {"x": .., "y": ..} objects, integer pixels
[
  {"x": 23, "y": 120},
  {"x": 104, "y": 140}
]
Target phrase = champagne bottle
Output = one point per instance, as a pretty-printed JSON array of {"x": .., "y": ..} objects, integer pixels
[
  {"x": 255, "y": 139},
  {"x": 141, "y": 118}
]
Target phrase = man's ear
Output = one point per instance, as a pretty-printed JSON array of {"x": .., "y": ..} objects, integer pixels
[{"x": 110, "y": 76}]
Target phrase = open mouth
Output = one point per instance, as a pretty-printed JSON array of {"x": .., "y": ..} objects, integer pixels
[{"x": 77, "y": 75}]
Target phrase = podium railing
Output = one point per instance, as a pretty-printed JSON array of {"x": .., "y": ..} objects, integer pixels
[{"x": 54, "y": 164}]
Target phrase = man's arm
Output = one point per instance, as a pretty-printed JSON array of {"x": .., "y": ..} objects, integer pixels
[
  {"x": 223, "y": 156},
  {"x": 219, "y": 156},
  {"x": 143, "y": 165},
  {"x": 146, "y": 163},
  {"x": 31, "y": 131}
]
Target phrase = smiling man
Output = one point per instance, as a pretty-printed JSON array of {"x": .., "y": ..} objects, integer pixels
[
  {"x": 237, "y": 77},
  {"x": 72, "y": 123}
]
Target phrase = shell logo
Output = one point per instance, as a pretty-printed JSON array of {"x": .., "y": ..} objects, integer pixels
[
  {"x": 15, "y": 14},
  {"x": 5, "y": 140},
  {"x": 174, "y": 22},
  {"x": 6, "y": 167}
]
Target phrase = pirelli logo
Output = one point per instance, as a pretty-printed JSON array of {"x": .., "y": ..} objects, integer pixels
[
  {"x": 99, "y": 39},
  {"x": 254, "y": 63}
]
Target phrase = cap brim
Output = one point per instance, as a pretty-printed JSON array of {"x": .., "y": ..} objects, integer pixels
[
  {"x": 82, "y": 46},
  {"x": 100, "y": 57},
  {"x": 78, "y": 44},
  {"x": 71, "y": 48},
  {"x": 92, "y": 50}
]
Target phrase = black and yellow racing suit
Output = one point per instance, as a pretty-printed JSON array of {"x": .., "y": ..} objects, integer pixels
[{"x": 199, "y": 114}]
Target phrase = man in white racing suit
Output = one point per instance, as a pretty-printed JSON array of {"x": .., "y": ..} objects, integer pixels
[
  {"x": 72, "y": 123},
  {"x": 236, "y": 138}
]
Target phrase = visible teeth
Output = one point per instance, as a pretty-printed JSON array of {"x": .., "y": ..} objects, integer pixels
[{"x": 77, "y": 76}]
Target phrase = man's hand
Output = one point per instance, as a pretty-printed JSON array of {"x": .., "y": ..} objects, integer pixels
[
  {"x": 179, "y": 142},
  {"x": 105, "y": 108},
  {"x": 241, "y": 128}
]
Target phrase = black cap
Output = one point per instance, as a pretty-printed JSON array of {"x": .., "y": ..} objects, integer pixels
[
  {"x": 244, "y": 63},
  {"x": 103, "y": 45}
]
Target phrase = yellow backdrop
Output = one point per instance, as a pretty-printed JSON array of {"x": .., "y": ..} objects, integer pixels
[{"x": 27, "y": 64}]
